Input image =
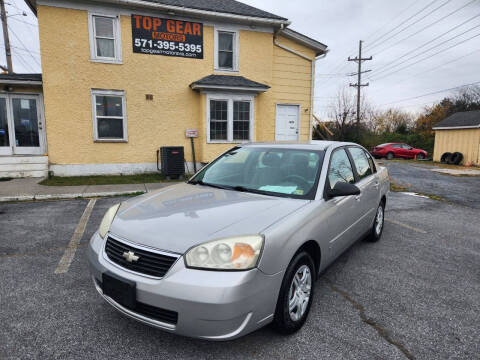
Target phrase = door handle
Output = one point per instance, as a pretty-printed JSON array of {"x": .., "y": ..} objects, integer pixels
[{"x": 377, "y": 184}]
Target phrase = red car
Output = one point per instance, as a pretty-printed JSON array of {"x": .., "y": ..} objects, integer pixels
[{"x": 397, "y": 150}]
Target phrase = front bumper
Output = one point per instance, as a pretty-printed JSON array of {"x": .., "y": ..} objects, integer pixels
[{"x": 216, "y": 305}]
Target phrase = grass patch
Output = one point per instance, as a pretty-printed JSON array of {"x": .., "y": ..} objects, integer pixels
[
  {"x": 436, "y": 164},
  {"x": 396, "y": 187},
  {"x": 105, "y": 180}
]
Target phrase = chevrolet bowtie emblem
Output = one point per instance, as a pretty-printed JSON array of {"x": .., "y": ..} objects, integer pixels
[{"x": 130, "y": 256}]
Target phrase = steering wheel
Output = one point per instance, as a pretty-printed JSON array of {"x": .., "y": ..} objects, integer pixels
[{"x": 298, "y": 180}]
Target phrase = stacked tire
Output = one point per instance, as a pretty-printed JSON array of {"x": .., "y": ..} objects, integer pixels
[{"x": 452, "y": 158}]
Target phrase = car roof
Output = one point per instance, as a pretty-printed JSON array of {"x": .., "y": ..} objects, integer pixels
[{"x": 308, "y": 145}]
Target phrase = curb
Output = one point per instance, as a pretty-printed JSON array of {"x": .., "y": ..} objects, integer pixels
[{"x": 66, "y": 196}]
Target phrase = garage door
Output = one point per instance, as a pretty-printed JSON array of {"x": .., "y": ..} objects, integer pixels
[{"x": 286, "y": 125}]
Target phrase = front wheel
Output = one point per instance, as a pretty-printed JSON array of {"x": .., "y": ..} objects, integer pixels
[
  {"x": 296, "y": 294},
  {"x": 390, "y": 156},
  {"x": 377, "y": 229},
  {"x": 420, "y": 156}
]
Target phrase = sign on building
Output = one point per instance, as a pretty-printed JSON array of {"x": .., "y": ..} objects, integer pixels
[
  {"x": 159, "y": 36},
  {"x": 191, "y": 133}
]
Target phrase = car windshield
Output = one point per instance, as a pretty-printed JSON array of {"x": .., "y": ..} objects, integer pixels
[{"x": 268, "y": 170}]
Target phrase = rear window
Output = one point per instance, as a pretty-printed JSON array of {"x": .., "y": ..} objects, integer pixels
[{"x": 382, "y": 145}]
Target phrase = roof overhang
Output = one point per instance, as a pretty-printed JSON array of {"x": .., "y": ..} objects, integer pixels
[
  {"x": 304, "y": 40},
  {"x": 228, "y": 88},
  {"x": 180, "y": 10},
  {"x": 32, "y": 4},
  {"x": 457, "y": 127}
]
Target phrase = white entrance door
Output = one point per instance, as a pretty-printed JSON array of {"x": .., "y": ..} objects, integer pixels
[
  {"x": 21, "y": 125},
  {"x": 286, "y": 124}
]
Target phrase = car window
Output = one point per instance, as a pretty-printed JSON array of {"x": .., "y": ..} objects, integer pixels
[
  {"x": 405, "y": 146},
  {"x": 360, "y": 162},
  {"x": 340, "y": 169},
  {"x": 371, "y": 162},
  {"x": 396, "y": 146}
]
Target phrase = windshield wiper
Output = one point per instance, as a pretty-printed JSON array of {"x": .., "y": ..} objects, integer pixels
[
  {"x": 245, "y": 189},
  {"x": 200, "y": 182}
]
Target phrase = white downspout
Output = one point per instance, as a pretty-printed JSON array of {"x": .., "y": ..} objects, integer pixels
[
  {"x": 312, "y": 92},
  {"x": 312, "y": 89}
]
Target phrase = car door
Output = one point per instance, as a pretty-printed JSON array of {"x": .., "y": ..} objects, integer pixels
[
  {"x": 342, "y": 212},
  {"x": 408, "y": 151},
  {"x": 368, "y": 183}
]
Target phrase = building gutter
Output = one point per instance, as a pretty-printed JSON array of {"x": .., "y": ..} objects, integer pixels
[
  {"x": 21, "y": 82},
  {"x": 231, "y": 88},
  {"x": 313, "y": 61},
  {"x": 457, "y": 127},
  {"x": 200, "y": 13}
]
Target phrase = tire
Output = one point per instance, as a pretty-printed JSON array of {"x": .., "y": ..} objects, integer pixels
[
  {"x": 456, "y": 158},
  {"x": 445, "y": 157},
  {"x": 420, "y": 156},
  {"x": 377, "y": 228},
  {"x": 284, "y": 322},
  {"x": 390, "y": 156}
]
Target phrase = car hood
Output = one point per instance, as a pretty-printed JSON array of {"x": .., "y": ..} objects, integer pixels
[{"x": 181, "y": 216}]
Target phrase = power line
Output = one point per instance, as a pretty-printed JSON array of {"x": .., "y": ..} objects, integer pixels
[
  {"x": 23, "y": 61},
  {"x": 389, "y": 65},
  {"x": 403, "y": 22},
  {"x": 426, "y": 58},
  {"x": 21, "y": 42},
  {"x": 422, "y": 73},
  {"x": 405, "y": 28},
  {"x": 342, "y": 66},
  {"x": 425, "y": 27},
  {"x": 432, "y": 93},
  {"x": 25, "y": 22}
]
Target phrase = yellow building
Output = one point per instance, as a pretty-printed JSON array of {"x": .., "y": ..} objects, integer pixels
[
  {"x": 459, "y": 132},
  {"x": 123, "y": 78}
]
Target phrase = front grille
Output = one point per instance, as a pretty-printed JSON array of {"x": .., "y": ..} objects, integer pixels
[
  {"x": 149, "y": 263},
  {"x": 156, "y": 313}
]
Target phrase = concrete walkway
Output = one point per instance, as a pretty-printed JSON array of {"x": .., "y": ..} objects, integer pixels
[{"x": 29, "y": 189}]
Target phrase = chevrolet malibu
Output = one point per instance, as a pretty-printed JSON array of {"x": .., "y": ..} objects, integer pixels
[{"x": 240, "y": 244}]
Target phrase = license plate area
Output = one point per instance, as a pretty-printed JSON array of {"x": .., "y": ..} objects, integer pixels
[{"x": 121, "y": 291}]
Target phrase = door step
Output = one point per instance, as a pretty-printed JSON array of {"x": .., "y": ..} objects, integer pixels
[{"x": 23, "y": 166}]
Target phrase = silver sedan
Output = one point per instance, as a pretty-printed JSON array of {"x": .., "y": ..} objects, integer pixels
[{"x": 240, "y": 244}]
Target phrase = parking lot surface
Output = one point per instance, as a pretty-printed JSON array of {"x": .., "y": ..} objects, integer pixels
[
  {"x": 419, "y": 177},
  {"x": 414, "y": 294}
]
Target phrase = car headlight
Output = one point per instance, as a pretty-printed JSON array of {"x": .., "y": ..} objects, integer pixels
[
  {"x": 236, "y": 253},
  {"x": 107, "y": 220}
]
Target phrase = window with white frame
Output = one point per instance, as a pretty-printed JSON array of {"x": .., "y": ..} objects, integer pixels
[
  {"x": 109, "y": 119},
  {"x": 230, "y": 118},
  {"x": 226, "y": 50},
  {"x": 105, "y": 42}
]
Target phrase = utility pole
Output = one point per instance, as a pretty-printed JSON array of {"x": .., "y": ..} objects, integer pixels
[
  {"x": 359, "y": 84},
  {"x": 6, "y": 39}
]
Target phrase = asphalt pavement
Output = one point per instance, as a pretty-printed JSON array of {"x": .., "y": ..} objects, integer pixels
[
  {"x": 414, "y": 294},
  {"x": 417, "y": 176}
]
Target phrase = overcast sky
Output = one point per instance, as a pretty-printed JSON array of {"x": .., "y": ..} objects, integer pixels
[{"x": 443, "y": 36}]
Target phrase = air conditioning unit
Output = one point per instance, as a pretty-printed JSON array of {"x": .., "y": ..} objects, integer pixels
[{"x": 172, "y": 160}]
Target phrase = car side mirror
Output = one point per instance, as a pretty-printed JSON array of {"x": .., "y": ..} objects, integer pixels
[{"x": 343, "y": 189}]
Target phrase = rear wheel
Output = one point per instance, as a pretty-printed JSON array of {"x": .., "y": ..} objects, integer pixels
[
  {"x": 296, "y": 294},
  {"x": 377, "y": 229},
  {"x": 390, "y": 156}
]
